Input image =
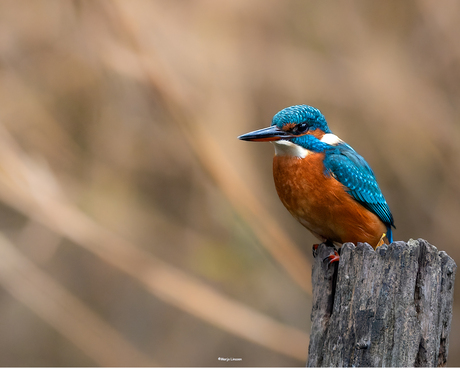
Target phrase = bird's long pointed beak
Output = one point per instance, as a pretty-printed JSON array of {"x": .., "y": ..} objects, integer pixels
[{"x": 272, "y": 133}]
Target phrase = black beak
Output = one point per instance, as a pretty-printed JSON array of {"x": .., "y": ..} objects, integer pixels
[{"x": 272, "y": 133}]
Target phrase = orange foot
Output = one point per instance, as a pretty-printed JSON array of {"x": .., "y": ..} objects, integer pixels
[
  {"x": 315, "y": 250},
  {"x": 332, "y": 258}
]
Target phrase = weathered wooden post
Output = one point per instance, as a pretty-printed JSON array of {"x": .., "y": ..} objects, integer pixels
[{"x": 389, "y": 307}]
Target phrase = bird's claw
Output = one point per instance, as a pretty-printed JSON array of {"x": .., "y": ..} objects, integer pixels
[
  {"x": 332, "y": 258},
  {"x": 315, "y": 250}
]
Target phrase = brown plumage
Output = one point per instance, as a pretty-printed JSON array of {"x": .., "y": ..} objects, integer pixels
[{"x": 321, "y": 204}]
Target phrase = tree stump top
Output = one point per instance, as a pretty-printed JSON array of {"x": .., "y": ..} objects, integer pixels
[{"x": 386, "y": 307}]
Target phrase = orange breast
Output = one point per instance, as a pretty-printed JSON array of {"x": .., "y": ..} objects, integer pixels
[{"x": 320, "y": 203}]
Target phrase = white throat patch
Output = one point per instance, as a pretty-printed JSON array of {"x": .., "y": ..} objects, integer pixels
[{"x": 287, "y": 148}]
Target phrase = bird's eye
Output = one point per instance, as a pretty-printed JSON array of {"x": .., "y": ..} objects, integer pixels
[{"x": 301, "y": 128}]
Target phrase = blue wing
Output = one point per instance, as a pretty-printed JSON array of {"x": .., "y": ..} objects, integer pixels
[{"x": 350, "y": 169}]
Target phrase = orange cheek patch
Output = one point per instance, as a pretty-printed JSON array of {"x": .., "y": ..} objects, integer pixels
[
  {"x": 317, "y": 133},
  {"x": 287, "y": 127}
]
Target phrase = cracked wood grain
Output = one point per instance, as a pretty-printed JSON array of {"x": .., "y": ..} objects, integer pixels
[{"x": 389, "y": 307}]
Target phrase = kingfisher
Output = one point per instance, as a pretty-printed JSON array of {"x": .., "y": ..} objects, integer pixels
[{"x": 323, "y": 182}]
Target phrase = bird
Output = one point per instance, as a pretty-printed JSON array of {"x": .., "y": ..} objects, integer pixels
[{"x": 323, "y": 182}]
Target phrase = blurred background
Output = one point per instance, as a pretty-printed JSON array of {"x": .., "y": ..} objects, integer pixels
[{"x": 135, "y": 229}]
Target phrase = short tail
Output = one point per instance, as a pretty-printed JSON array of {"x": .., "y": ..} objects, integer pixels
[{"x": 389, "y": 234}]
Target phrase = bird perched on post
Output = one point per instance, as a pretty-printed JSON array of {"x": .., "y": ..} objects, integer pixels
[{"x": 328, "y": 187}]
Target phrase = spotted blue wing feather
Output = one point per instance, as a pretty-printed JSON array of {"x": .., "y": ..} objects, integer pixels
[{"x": 351, "y": 170}]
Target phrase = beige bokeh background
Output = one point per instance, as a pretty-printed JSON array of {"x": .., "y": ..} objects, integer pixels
[{"x": 135, "y": 229}]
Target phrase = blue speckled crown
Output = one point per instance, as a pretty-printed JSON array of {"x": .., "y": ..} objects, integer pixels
[{"x": 299, "y": 114}]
